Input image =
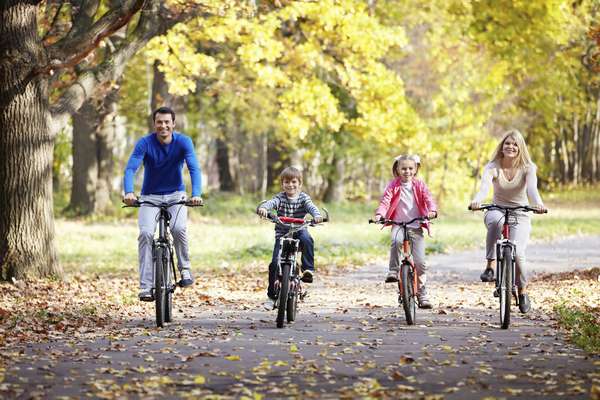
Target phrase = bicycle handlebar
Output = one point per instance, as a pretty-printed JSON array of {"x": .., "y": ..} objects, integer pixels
[
  {"x": 385, "y": 221},
  {"x": 187, "y": 203},
  {"x": 503, "y": 208}
]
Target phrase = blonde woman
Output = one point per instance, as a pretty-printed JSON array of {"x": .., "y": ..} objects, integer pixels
[{"x": 512, "y": 175}]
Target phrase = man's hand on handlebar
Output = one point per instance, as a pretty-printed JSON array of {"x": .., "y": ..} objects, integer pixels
[
  {"x": 130, "y": 199},
  {"x": 196, "y": 201}
]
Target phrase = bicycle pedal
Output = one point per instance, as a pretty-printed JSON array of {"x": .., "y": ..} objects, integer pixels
[
  {"x": 496, "y": 293},
  {"x": 303, "y": 295}
]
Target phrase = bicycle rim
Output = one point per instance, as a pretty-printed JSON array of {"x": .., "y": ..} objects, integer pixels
[
  {"x": 283, "y": 294},
  {"x": 407, "y": 293},
  {"x": 505, "y": 287},
  {"x": 159, "y": 292}
]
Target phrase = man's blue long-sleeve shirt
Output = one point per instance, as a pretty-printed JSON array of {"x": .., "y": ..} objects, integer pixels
[{"x": 163, "y": 165}]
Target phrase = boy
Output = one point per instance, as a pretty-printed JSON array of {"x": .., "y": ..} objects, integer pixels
[{"x": 292, "y": 202}]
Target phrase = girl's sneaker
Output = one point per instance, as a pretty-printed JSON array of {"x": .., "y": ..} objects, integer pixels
[{"x": 391, "y": 277}]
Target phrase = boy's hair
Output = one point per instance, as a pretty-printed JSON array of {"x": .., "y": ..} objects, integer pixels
[
  {"x": 411, "y": 157},
  {"x": 290, "y": 173}
]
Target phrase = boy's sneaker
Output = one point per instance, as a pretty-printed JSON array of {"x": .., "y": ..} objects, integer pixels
[
  {"x": 186, "y": 278},
  {"x": 307, "y": 276},
  {"x": 146, "y": 295},
  {"x": 270, "y": 304},
  {"x": 391, "y": 277},
  {"x": 487, "y": 275},
  {"x": 423, "y": 299}
]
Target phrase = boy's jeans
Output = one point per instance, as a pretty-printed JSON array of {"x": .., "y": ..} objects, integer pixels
[
  {"x": 147, "y": 221},
  {"x": 308, "y": 258}
]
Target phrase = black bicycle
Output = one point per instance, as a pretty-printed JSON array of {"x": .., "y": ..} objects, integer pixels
[
  {"x": 289, "y": 285},
  {"x": 408, "y": 280},
  {"x": 165, "y": 273},
  {"x": 505, "y": 260}
]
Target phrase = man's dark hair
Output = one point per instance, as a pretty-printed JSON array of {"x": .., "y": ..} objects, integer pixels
[{"x": 163, "y": 110}]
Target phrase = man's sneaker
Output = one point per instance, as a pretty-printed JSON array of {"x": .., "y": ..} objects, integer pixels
[
  {"x": 391, "y": 277},
  {"x": 307, "y": 276},
  {"x": 524, "y": 303},
  {"x": 146, "y": 295},
  {"x": 423, "y": 299},
  {"x": 186, "y": 278},
  {"x": 487, "y": 275},
  {"x": 269, "y": 304}
]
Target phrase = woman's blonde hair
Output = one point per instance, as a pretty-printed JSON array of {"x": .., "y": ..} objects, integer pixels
[
  {"x": 523, "y": 158},
  {"x": 410, "y": 157}
]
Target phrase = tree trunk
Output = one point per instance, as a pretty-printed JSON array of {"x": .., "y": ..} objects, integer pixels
[
  {"x": 27, "y": 246},
  {"x": 85, "y": 165},
  {"x": 335, "y": 181},
  {"x": 93, "y": 148},
  {"x": 225, "y": 178}
]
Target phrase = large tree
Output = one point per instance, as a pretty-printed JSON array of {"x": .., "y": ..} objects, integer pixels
[{"x": 30, "y": 122}]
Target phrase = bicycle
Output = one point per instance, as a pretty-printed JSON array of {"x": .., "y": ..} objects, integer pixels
[
  {"x": 505, "y": 286},
  {"x": 288, "y": 285},
  {"x": 165, "y": 273},
  {"x": 408, "y": 280}
]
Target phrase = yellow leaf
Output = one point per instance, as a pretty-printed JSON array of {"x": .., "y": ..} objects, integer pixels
[
  {"x": 293, "y": 348},
  {"x": 510, "y": 377},
  {"x": 233, "y": 358},
  {"x": 199, "y": 380}
]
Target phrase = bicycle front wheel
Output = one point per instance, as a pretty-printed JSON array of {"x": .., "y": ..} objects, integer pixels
[
  {"x": 159, "y": 286},
  {"x": 407, "y": 292},
  {"x": 283, "y": 294},
  {"x": 168, "y": 274},
  {"x": 505, "y": 280}
]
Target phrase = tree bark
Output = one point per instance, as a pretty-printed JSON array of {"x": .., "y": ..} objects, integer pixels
[{"x": 27, "y": 245}]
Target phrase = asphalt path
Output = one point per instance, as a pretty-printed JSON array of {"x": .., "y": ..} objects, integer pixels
[{"x": 350, "y": 340}]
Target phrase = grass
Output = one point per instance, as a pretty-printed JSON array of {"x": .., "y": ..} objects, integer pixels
[
  {"x": 226, "y": 234},
  {"x": 583, "y": 325}
]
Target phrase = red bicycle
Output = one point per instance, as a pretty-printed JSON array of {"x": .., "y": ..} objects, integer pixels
[{"x": 408, "y": 279}]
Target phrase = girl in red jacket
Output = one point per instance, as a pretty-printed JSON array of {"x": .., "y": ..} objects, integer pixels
[{"x": 405, "y": 198}]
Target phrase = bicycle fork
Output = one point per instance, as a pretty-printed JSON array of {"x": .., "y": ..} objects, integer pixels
[{"x": 407, "y": 262}]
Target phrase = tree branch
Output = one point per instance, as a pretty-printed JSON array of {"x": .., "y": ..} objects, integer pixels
[{"x": 72, "y": 49}]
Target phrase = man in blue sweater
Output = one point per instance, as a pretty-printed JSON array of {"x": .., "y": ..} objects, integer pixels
[{"x": 162, "y": 153}]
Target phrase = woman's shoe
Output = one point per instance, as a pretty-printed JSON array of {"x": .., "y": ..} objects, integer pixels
[
  {"x": 524, "y": 303},
  {"x": 487, "y": 275}
]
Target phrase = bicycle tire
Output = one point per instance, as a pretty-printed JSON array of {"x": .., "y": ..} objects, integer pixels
[
  {"x": 292, "y": 306},
  {"x": 283, "y": 294},
  {"x": 168, "y": 268},
  {"x": 407, "y": 292},
  {"x": 159, "y": 292},
  {"x": 505, "y": 287}
]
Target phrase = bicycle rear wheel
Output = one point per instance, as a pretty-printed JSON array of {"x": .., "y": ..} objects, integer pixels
[
  {"x": 168, "y": 274},
  {"x": 283, "y": 294},
  {"x": 159, "y": 286},
  {"x": 505, "y": 287},
  {"x": 407, "y": 292}
]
